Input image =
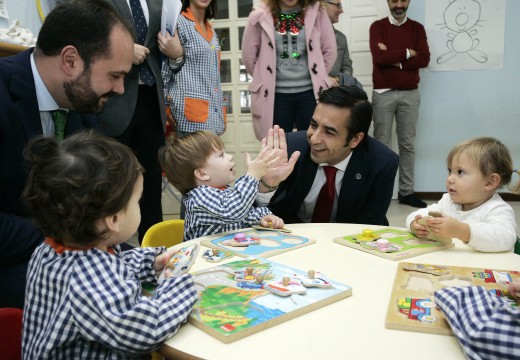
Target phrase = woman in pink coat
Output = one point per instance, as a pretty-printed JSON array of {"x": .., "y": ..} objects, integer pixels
[{"x": 288, "y": 47}]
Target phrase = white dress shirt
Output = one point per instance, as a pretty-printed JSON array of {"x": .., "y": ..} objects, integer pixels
[
  {"x": 308, "y": 204},
  {"x": 46, "y": 102}
]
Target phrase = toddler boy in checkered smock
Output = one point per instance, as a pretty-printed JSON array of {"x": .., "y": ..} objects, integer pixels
[
  {"x": 487, "y": 326},
  {"x": 198, "y": 166},
  {"x": 83, "y": 297}
]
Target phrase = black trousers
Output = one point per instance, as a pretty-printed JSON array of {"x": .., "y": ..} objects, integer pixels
[{"x": 145, "y": 136}]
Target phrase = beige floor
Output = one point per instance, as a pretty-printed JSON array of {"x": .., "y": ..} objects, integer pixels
[{"x": 397, "y": 214}]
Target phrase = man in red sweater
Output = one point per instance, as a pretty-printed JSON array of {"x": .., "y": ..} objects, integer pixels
[{"x": 399, "y": 49}]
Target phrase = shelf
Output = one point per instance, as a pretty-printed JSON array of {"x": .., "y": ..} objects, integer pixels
[{"x": 8, "y": 49}]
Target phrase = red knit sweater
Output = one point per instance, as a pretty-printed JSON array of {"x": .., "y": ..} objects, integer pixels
[{"x": 397, "y": 39}]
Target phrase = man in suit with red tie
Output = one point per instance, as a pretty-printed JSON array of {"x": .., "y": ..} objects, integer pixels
[
  {"x": 336, "y": 156},
  {"x": 66, "y": 70}
]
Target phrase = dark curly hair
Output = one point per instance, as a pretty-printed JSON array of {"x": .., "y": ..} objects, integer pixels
[
  {"x": 355, "y": 99},
  {"x": 73, "y": 184}
]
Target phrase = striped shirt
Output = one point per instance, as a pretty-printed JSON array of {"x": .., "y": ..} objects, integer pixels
[
  {"x": 486, "y": 325},
  {"x": 211, "y": 211},
  {"x": 87, "y": 304},
  {"x": 197, "y": 101}
]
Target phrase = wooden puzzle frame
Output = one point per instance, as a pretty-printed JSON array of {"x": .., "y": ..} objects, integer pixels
[
  {"x": 408, "y": 243},
  {"x": 232, "y": 305},
  {"x": 412, "y": 304},
  {"x": 272, "y": 242}
]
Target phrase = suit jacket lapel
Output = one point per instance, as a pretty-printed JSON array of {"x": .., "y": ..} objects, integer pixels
[
  {"x": 152, "y": 20},
  {"x": 22, "y": 87},
  {"x": 353, "y": 183},
  {"x": 124, "y": 10},
  {"x": 307, "y": 176}
]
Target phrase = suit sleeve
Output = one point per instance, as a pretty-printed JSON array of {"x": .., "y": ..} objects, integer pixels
[
  {"x": 346, "y": 63},
  {"x": 378, "y": 202},
  {"x": 19, "y": 238}
]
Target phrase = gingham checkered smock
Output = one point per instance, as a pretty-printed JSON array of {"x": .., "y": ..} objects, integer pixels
[
  {"x": 87, "y": 304},
  {"x": 211, "y": 211},
  {"x": 486, "y": 325},
  {"x": 196, "y": 95}
]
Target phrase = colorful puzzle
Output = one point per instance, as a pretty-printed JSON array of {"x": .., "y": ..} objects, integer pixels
[
  {"x": 255, "y": 242},
  {"x": 391, "y": 243},
  {"x": 244, "y": 297},
  {"x": 412, "y": 306}
]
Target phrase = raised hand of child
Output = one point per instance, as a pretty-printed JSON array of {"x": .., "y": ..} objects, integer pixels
[
  {"x": 514, "y": 290},
  {"x": 265, "y": 160},
  {"x": 419, "y": 230},
  {"x": 272, "y": 221},
  {"x": 448, "y": 227}
]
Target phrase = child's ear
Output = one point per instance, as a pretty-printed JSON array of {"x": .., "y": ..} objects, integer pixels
[
  {"x": 111, "y": 223},
  {"x": 201, "y": 175},
  {"x": 493, "y": 182}
]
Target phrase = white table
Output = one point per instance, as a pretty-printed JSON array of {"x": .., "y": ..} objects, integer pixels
[{"x": 350, "y": 328}]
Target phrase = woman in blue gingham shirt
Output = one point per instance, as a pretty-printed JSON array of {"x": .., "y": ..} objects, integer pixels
[{"x": 194, "y": 93}]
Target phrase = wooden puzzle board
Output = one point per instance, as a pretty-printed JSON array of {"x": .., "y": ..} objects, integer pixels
[
  {"x": 230, "y": 309},
  {"x": 412, "y": 306},
  {"x": 407, "y": 243},
  {"x": 271, "y": 242}
]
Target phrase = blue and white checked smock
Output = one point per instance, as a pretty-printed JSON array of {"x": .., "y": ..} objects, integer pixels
[
  {"x": 197, "y": 101},
  {"x": 87, "y": 304},
  {"x": 211, "y": 211},
  {"x": 486, "y": 325}
]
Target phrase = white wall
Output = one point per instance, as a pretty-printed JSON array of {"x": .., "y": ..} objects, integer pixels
[{"x": 456, "y": 105}]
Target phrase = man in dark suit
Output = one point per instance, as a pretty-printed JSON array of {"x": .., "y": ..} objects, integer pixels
[
  {"x": 67, "y": 70},
  {"x": 138, "y": 118},
  {"x": 337, "y": 136}
]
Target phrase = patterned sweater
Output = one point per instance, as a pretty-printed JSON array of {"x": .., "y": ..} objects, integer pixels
[{"x": 410, "y": 35}]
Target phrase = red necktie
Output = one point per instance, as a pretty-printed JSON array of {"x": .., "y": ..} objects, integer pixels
[{"x": 325, "y": 202}]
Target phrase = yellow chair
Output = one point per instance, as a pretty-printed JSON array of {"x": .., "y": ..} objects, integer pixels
[{"x": 166, "y": 233}]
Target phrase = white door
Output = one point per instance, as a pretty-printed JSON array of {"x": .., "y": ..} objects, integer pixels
[{"x": 355, "y": 23}]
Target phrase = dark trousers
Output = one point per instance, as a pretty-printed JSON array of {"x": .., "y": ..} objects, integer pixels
[
  {"x": 145, "y": 136},
  {"x": 294, "y": 110}
]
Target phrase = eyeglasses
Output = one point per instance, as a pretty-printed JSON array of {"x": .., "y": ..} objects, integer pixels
[{"x": 338, "y": 5}]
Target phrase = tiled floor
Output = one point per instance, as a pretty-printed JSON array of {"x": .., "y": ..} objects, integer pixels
[{"x": 397, "y": 214}]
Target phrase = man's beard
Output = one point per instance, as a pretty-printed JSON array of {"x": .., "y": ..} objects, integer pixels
[
  {"x": 81, "y": 95},
  {"x": 402, "y": 12}
]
